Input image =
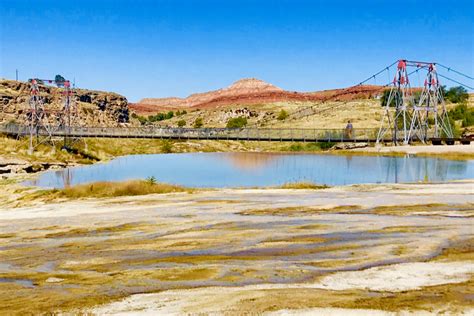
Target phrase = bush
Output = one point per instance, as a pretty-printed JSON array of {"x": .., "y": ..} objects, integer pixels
[
  {"x": 282, "y": 115},
  {"x": 456, "y": 95},
  {"x": 326, "y": 145},
  {"x": 310, "y": 146},
  {"x": 181, "y": 123},
  {"x": 237, "y": 122},
  {"x": 464, "y": 113},
  {"x": 167, "y": 147},
  {"x": 151, "y": 180},
  {"x": 142, "y": 120},
  {"x": 295, "y": 147},
  {"x": 198, "y": 123}
]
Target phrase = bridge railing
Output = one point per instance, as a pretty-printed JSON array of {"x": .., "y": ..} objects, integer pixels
[{"x": 288, "y": 134}]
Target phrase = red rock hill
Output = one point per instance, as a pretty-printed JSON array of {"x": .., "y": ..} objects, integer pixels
[{"x": 249, "y": 91}]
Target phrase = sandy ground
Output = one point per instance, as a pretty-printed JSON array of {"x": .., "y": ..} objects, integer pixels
[
  {"x": 355, "y": 250},
  {"x": 466, "y": 149}
]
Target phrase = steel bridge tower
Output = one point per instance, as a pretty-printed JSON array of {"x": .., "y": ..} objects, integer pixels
[
  {"x": 406, "y": 117},
  {"x": 430, "y": 117},
  {"x": 42, "y": 123}
]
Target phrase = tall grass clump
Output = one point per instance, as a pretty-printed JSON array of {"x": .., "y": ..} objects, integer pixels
[
  {"x": 114, "y": 189},
  {"x": 167, "y": 146},
  {"x": 303, "y": 185}
]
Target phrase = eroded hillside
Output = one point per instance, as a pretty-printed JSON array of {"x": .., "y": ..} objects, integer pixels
[{"x": 96, "y": 108}]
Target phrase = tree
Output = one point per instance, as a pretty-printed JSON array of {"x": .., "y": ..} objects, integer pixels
[
  {"x": 38, "y": 81},
  {"x": 282, "y": 115},
  {"x": 386, "y": 95},
  {"x": 457, "y": 95},
  {"x": 237, "y": 122},
  {"x": 181, "y": 123},
  {"x": 169, "y": 115},
  {"x": 59, "y": 80},
  {"x": 198, "y": 123}
]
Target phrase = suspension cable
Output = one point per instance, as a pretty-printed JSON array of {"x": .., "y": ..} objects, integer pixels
[
  {"x": 460, "y": 83},
  {"x": 459, "y": 73},
  {"x": 378, "y": 73}
]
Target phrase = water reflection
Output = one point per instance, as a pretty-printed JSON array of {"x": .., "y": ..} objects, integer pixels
[
  {"x": 262, "y": 169},
  {"x": 244, "y": 161}
]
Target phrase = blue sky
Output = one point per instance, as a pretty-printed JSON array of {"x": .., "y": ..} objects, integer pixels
[{"x": 174, "y": 48}]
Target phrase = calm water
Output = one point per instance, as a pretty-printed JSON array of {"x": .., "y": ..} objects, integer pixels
[{"x": 258, "y": 169}]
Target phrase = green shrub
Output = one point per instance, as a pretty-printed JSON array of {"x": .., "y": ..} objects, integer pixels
[
  {"x": 295, "y": 147},
  {"x": 151, "y": 180},
  {"x": 181, "y": 123},
  {"x": 462, "y": 113},
  {"x": 282, "y": 115},
  {"x": 326, "y": 145},
  {"x": 237, "y": 122},
  {"x": 198, "y": 123},
  {"x": 166, "y": 146},
  {"x": 456, "y": 95},
  {"x": 310, "y": 146}
]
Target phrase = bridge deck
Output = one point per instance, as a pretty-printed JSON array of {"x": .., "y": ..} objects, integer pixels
[{"x": 248, "y": 134}]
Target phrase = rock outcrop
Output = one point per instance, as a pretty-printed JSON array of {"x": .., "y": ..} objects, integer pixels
[
  {"x": 95, "y": 108},
  {"x": 14, "y": 166}
]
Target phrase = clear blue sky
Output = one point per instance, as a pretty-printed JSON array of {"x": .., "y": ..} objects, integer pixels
[{"x": 174, "y": 48}]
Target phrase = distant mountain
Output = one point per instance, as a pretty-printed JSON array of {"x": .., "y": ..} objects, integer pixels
[{"x": 249, "y": 91}]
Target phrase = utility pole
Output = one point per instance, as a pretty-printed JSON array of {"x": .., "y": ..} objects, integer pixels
[{"x": 16, "y": 74}]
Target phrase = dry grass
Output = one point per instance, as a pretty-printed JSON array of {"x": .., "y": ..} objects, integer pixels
[
  {"x": 303, "y": 185},
  {"x": 113, "y": 189},
  {"x": 106, "y": 190},
  {"x": 449, "y": 155}
]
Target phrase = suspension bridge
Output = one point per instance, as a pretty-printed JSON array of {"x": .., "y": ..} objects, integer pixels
[{"x": 406, "y": 118}]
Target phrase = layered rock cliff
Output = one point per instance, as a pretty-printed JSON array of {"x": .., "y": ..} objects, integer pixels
[{"x": 95, "y": 108}]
